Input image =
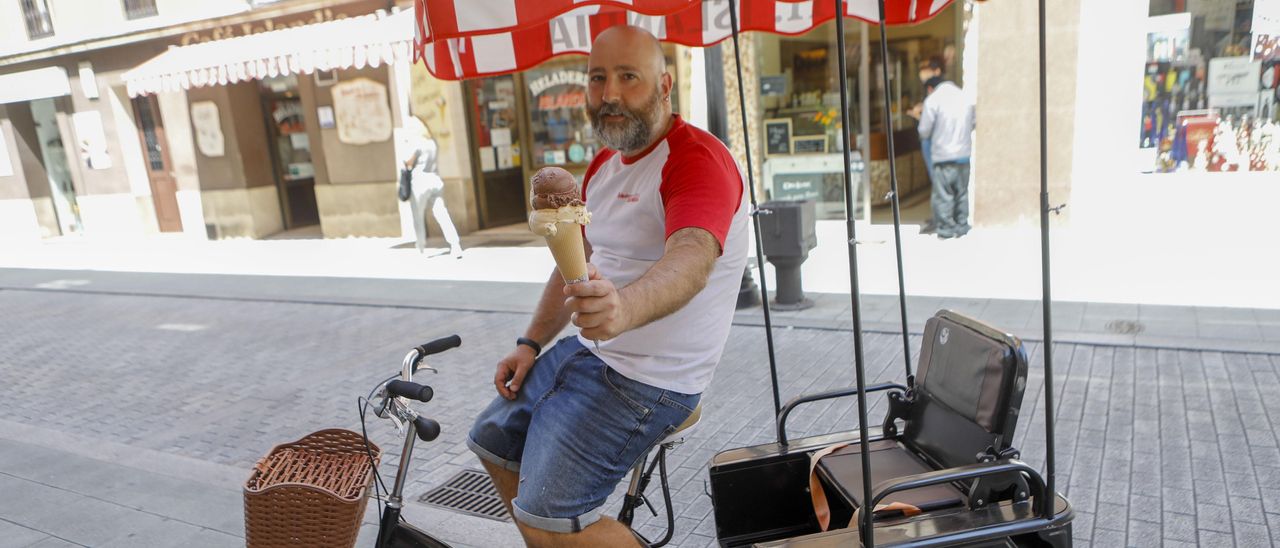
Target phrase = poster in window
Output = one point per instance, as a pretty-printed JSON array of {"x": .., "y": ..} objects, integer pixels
[
  {"x": 1266, "y": 30},
  {"x": 363, "y": 112},
  {"x": 777, "y": 136},
  {"x": 91, "y": 138},
  {"x": 208, "y": 129}
]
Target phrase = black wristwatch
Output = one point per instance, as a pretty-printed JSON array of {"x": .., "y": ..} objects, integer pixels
[{"x": 537, "y": 348}]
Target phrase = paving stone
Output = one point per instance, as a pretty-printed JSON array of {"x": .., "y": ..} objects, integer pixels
[
  {"x": 1179, "y": 526},
  {"x": 1108, "y": 537},
  {"x": 1144, "y": 534},
  {"x": 1215, "y": 538},
  {"x": 17, "y": 535},
  {"x": 1251, "y": 535},
  {"x": 1213, "y": 518}
]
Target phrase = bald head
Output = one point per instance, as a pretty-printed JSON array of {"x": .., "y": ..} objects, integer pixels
[
  {"x": 628, "y": 45},
  {"x": 629, "y": 90}
]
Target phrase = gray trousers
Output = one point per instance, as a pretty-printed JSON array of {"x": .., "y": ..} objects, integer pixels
[{"x": 950, "y": 199}]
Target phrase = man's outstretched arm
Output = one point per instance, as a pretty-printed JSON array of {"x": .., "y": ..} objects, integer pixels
[{"x": 604, "y": 312}]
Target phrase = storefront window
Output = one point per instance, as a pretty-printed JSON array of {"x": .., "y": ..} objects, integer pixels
[
  {"x": 559, "y": 129},
  {"x": 558, "y": 124},
  {"x": 1211, "y": 86},
  {"x": 800, "y": 104}
]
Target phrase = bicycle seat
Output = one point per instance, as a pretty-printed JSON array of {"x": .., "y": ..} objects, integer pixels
[{"x": 685, "y": 427}]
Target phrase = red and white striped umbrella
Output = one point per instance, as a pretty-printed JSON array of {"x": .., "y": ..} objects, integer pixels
[{"x": 460, "y": 39}]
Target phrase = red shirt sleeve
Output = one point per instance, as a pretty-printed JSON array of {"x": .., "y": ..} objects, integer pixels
[{"x": 700, "y": 188}]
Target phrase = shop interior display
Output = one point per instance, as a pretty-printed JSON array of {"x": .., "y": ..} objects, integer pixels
[{"x": 1210, "y": 103}]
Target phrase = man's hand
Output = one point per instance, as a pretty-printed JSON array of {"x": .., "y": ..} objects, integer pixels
[
  {"x": 916, "y": 111},
  {"x": 597, "y": 309},
  {"x": 511, "y": 371}
]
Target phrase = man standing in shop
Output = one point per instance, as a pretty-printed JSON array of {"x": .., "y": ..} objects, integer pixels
[{"x": 946, "y": 125}]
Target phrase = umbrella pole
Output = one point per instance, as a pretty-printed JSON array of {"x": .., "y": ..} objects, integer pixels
[
  {"x": 755, "y": 212},
  {"x": 1044, "y": 272},
  {"x": 864, "y": 528}
]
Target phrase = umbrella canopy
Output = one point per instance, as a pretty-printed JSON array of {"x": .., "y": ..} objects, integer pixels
[{"x": 460, "y": 39}]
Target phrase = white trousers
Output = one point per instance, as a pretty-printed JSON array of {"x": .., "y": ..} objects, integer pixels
[{"x": 428, "y": 193}]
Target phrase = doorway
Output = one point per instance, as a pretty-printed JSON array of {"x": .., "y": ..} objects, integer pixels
[
  {"x": 290, "y": 151},
  {"x": 164, "y": 187},
  {"x": 54, "y": 153},
  {"x": 495, "y": 151}
]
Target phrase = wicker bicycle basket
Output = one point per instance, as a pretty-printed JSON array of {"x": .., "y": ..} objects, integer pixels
[{"x": 311, "y": 492}]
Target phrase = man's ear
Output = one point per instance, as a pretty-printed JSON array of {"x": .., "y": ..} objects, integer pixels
[{"x": 666, "y": 86}]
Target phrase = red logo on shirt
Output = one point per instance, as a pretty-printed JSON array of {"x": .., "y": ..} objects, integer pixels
[{"x": 628, "y": 197}]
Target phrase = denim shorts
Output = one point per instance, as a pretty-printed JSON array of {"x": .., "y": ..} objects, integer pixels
[{"x": 574, "y": 430}]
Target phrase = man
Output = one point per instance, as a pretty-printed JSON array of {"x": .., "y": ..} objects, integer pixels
[
  {"x": 667, "y": 245},
  {"x": 946, "y": 124},
  {"x": 930, "y": 225}
]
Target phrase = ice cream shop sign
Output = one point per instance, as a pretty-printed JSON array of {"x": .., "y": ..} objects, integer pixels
[{"x": 569, "y": 88}]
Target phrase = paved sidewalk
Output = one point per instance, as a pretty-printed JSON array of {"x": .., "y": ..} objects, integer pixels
[
  {"x": 139, "y": 381},
  {"x": 113, "y": 401},
  {"x": 1148, "y": 326}
]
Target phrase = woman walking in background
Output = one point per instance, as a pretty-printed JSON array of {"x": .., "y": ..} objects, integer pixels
[{"x": 427, "y": 188}]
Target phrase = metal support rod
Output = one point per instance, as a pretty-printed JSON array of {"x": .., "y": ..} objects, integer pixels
[
  {"x": 893, "y": 190},
  {"x": 1044, "y": 263},
  {"x": 755, "y": 219},
  {"x": 864, "y": 528}
]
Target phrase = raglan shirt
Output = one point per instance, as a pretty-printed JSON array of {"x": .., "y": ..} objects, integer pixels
[{"x": 686, "y": 179}]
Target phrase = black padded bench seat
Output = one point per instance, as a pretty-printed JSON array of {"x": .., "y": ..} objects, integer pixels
[
  {"x": 842, "y": 470},
  {"x": 964, "y": 408}
]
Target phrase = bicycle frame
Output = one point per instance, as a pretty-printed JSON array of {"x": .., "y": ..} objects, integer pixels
[{"x": 392, "y": 531}]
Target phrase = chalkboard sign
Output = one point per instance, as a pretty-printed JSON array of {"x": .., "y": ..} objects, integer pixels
[
  {"x": 816, "y": 144},
  {"x": 777, "y": 136},
  {"x": 797, "y": 186}
]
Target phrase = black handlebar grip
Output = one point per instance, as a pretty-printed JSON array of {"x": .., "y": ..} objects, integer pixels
[
  {"x": 411, "y": 390},
  {"x": 428, "y": 429},
  {"x": 439, "y": 345}
]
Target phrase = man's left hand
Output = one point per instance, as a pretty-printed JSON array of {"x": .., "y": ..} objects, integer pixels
[{"x": 597, "y": 309}]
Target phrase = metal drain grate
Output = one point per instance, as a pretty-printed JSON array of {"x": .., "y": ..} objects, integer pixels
[
  {"x": 470, "y": 492},
  {"x": 1125, "y": 327}
]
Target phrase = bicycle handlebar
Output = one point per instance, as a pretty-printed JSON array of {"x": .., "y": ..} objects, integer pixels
[
  {"x": 439, "y": 345},
  {"x": 428, "y": 429},
  {"x": 411, "y": 390}
]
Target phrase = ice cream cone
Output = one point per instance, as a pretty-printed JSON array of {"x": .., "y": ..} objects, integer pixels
[{"x": 571, "y": 258}]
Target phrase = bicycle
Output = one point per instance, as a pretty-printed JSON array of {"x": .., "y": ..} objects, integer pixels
[{"x": 392, "y": 402}]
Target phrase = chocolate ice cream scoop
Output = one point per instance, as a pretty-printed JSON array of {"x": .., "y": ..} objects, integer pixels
[{"x": 553, "y": 188}]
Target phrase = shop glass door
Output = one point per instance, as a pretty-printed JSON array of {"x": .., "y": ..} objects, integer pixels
[
  {"x": 291, "y": 151},
  {"x": 495, "y": 148}
]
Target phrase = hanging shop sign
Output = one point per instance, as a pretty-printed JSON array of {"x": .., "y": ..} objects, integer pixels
[
  {"x": 363, "y": 111},
  {"x": 258, "y": 27},
  {"x": 558, "y": 78},
  {"x": 569, "y": 90},
  {"x": 208, "y": 129},
  {"x": 91, "y": 138}
]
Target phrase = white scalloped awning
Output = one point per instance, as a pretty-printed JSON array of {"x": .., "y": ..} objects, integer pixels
[{"x": 369, "y": 40}]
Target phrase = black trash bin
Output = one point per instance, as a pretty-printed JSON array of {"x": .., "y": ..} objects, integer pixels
[{"x": 787, "y": 233}]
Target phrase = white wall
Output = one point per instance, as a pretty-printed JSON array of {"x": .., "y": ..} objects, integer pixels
[{"x": 78, "y": 20}]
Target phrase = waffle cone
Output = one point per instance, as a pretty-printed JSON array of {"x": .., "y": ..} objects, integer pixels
[{"x": 571, "y": 258}]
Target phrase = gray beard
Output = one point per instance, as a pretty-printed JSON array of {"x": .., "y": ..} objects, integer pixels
[{"x": 632, "y": 134}]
